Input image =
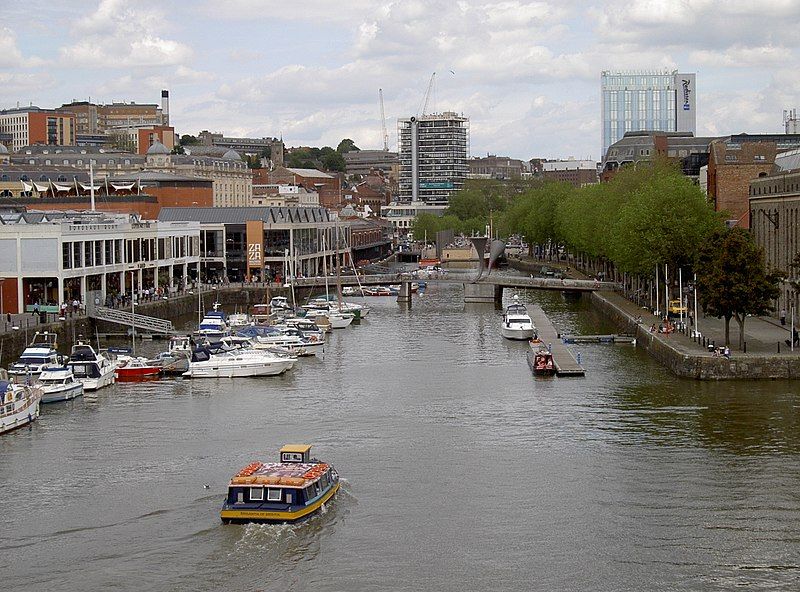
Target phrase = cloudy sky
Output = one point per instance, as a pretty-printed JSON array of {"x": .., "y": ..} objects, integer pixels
[{"x": 526, "y": 73}]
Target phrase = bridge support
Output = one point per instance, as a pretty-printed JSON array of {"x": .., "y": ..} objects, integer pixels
[
  {"x": 483, "y": 293},
  {"x": 405, "y": 293}
]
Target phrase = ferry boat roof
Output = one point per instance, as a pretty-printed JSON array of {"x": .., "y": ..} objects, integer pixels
[
  {"x": 284, "y": 474},
  {"x": 298, "y": 448}
]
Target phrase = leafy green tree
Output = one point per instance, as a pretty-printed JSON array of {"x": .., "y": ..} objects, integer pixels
[
  {"x": 333, "y": 161},
  {"x": 732, "y": 280},
  {"x": 178, "y": 149},
  {"x": 347, "y": 145},
  {"x": 425, "y": 224},
  {"x": 188, "y": 140}
]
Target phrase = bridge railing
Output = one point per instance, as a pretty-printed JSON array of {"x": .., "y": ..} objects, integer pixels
[{"x": 124, "y": 317}]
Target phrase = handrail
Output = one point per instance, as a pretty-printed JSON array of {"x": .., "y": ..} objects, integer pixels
[{"x": 124, "y": 317}]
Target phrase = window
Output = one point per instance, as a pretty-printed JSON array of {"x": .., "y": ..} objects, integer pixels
[
  {"x": 289, "y": 497},
  {"x": 274, "y": 495},
  {"x": 66, "y": 251},
  {"x": 256, "y": 494}
]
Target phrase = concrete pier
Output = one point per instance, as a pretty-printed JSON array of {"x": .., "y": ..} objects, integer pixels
[
  {"x": 483, "y": 293},
  {"x": 405, "y": 293},
  {"x": 565, "y": 362}
]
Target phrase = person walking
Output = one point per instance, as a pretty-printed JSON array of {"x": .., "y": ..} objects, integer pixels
[{"x": 783, "y": 317}]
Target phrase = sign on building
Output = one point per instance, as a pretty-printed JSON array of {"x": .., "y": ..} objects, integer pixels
[{"x": 254, "y": 254}]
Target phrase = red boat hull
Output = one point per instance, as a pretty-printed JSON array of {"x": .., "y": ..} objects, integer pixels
[{"x": 138, "y": 373}]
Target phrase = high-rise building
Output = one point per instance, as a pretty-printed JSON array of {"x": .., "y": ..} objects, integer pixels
[
  {"x": 433, "y": 157},
  {"x": 646, "y": 101}
]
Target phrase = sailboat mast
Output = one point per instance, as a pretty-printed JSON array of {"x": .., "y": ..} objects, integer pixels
[
  {"x": 338, "y": 271},
  {"x": 325, "y": 265}
]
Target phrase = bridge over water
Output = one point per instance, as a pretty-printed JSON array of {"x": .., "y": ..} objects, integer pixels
[{"x": 488, "y": 288}]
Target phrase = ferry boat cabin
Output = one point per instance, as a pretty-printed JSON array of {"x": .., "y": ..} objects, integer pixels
[{"x": 286, "y": 491}]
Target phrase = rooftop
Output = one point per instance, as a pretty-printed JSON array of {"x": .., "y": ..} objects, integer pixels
[{"x": 240, "y": 215}]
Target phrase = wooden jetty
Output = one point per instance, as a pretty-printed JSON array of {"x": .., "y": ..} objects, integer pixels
[
  {"x": 614, "y": 338},
  {"x": 565, "y": 362}
]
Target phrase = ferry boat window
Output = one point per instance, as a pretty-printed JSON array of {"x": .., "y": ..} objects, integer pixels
[
  {"x": 274, "y": 495},
  {"x": 289, "y": 497},
  {"x": 256, "y": 494}
]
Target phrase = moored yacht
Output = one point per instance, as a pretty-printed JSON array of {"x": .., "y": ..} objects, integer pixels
[
  {"x": 92, "y": 369},
  {"x": 41, "y": 352},
  {"x": 59, "y": 384},
  {"x": 214, "y": 325},
  {"x": 236, "y": 364},
  {"x": 19, "y": 403},
  {"x": 517, "y": 324},
  {"x": 286, "y": 491}
]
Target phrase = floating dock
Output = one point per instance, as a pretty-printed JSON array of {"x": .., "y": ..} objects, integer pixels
[
  {"x": 565, "y": 362},
  {"x": 598, "y": 339}
]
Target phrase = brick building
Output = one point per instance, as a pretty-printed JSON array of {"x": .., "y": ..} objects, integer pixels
[
  {"x": 575, "y": 172},
  {"x": 32, "y": 125},
  {"x": 328, "y": 186},
  {"x": 774, "y": 212},
  {"x": 735, "y": 161},
  {"x": 495, "y": 167}
]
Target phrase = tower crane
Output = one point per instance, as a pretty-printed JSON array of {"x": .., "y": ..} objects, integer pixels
[
  {"x": 383, "y": 123},
  {"x": 428, "y": 95}
]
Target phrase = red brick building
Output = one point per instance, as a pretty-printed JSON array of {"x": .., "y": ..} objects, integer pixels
[{"x": 328, "y": 186}]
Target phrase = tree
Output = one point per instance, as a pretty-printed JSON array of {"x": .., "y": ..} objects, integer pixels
[
  {"x": 333, "y": 161},
  {"x": 347, "y": 145},
  {"x": 178, "y": 149},
  {"x": 188, "y": 140},
  {"x": 732, "y": 279}
]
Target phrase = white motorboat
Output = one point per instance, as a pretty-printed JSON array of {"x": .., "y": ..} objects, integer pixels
[
  {"x": 40, "y": 353},
  {"x": 94, "y": 370},
  {"x": 307, "y": 327},
  {"x": 288, "y": 338},
  {"x": 58, "y": 383},
  {"x": 19, "y": 403},
  {"x": 280, "y": 303},
  {"x": 214, "y": 325},
  {"x": 235, "y": 364},
  {"x": 340, "y": 320},
  {"x": 517, "y": 324},
  {"x": 238, "y": 319}
]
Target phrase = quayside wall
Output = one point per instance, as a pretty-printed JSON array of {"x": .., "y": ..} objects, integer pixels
[{"x": 697, "y": 366}]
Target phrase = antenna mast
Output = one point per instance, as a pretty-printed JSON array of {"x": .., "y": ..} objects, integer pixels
[{"x": 383, "y": 123}]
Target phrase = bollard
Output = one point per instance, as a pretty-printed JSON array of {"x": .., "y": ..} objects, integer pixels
[
  {"x": 579, "y": 358},
  {"x": 779, "y": 347}
]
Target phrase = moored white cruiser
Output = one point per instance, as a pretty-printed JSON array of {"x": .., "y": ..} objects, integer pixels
[
  {"x": 59, "y": 384},
  {"x": 19, "y": 403},
  {"x": 517, "y": 324},
  {"x": 94, "y": 370},
  {"x": 237, "y": 364}
]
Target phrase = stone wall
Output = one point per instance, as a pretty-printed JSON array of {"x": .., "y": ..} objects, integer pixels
[{"x": 700, "y": 367}]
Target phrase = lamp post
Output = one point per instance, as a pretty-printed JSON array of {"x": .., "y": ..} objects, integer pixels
[{"x": 791, "y": 338}]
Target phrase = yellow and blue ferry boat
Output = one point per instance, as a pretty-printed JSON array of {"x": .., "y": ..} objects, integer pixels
[{"x": 285, "y": 491}]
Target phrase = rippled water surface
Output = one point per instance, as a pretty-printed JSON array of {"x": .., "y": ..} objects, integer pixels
[{"x": 462, "y": 471}]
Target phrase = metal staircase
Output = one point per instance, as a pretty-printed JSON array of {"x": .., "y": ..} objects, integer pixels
[{"x": 127, "y": 318}]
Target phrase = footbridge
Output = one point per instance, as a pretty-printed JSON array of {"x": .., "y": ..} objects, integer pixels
[
  {"x": 127, "y": 318},
  {"x": 488, "y": 288}
]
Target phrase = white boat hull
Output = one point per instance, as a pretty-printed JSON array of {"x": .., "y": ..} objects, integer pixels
[
  {"x": 62, "y": 393},
  {"x": 19, "y": 413},
  {"x": 210, "y": 369},
  {"x": 517, "y": 333},
  {"x": 340, "y": 321},
  {"x": 94, "y": 384}
]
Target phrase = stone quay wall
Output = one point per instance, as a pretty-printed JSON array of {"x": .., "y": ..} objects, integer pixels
[{"x": 698, "y": 366}]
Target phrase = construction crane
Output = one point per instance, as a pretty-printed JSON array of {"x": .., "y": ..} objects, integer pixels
[
  {"x": 428, "y": 95},
  {"x": 383, "y": 123}
]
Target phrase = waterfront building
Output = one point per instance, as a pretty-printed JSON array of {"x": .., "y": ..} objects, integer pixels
[
  {"x": 433, "y": 158},
  {"x": 363, "y": 162},
  {"x": 253, "y": 242},
  {"x": 774, "y": 212},
  {"x": 575, "y": 172},
  {"x": 734, "y": 161},
  {"x": 32, "y": 125},
  {"x": 495, "y": 167},
  {"x": 646, "y": 101},
  {"x": 682, "y": 147},
  {"x": 51, "y": 257}
]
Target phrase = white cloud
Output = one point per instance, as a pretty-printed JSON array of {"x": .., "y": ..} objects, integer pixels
[{"x": 10, "y": 54}]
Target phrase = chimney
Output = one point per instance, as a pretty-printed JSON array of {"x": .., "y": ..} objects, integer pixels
[{"x": 165, "y": 107}]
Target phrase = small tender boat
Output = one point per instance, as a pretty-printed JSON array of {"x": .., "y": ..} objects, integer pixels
[
  {"x": 136, "y": 369},
  {"x": 286, "y": 491},
  {"x": 59, "y": 384},
  {"x": 40, "y": 353},
  {"x": 92, "y": 369},
  {"x": 541, "y": 361},
  {"x": 517, "y": 324},
  {"x": 19, "y": 403},
  {"x": 236, "y": 364}
]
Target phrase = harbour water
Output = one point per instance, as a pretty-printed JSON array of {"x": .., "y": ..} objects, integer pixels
[{"x": 462, "y": 471}]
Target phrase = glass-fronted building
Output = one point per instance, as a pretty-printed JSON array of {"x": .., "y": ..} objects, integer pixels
[{"x": 646, "y": 101}]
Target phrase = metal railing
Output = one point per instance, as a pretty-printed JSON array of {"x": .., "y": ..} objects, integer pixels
[{"x": 125, "y": 317}]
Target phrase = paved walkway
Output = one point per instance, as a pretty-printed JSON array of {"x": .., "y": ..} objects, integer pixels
[{"x": 763, "y": 335}]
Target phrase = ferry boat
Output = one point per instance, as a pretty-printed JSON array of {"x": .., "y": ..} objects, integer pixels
[
  {"x": 41, "y": 352},
  {"x": 92, "y": 369},
  {"x": 59, "y": 384},
  {"x": 19, "y": 403},
  {"x": 516, "y": 322},
  {"x": 287, "y": 491}
]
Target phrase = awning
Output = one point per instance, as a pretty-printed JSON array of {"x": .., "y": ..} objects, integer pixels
[
  {"x": 88, "y": 187},
  {"x": 61, "y": 187},
  {"x": 26, "y": 186},
  {"x": 123, "y": 186},
  {"x": 41, "y": 188}
]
